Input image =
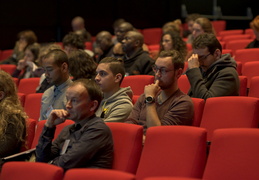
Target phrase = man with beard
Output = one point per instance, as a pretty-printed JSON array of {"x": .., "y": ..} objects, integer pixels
[
  {"x": 136, "y": 60},
  {"x": 163, "y": 103},
  {"x": 55, "y": 65}
]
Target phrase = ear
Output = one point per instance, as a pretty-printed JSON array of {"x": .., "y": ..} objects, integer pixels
[
  {"x": 137, "y": 42},
  {"x": 2, "y": 95},
  {"x": 94, "y": 106},
  {"x": 178, "y": 73},
  {"x": 217, "y": 54},
  {"x": 118, "y": 77},
  {"x": 64, "y": 67}
]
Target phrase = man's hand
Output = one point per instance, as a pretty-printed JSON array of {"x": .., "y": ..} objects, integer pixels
[
  {"x": 193, "y": 61},
  {"x": 56, "y": 117},
  {"x": 152, "y": 89},
  {"x": 21, "y": 64}
]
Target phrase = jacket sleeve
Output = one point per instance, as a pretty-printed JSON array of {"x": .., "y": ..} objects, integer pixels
[{"x": 224, "y": 83}]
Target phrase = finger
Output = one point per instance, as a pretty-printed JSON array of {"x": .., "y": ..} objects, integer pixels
[{"x": 157, "y": 82}]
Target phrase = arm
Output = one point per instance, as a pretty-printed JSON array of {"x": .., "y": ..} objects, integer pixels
[
  {"x": 225, "y": 83},
  {"x": 135, "y": 113}
]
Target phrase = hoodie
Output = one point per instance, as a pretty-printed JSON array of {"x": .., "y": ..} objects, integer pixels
[{"x": 117, "y": 107}]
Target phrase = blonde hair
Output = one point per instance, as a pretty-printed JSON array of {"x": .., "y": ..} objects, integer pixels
[
  {"x": 205, "y": 24},
  {"x": 255, "y": 23},
  {"x": 11, "y": 111}
]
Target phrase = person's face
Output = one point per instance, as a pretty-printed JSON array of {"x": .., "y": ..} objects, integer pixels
[
  {"x": 53, "y": 73},
  {"x": 205, "y": 58},
  {"x": 22, "y": 39},
  {"x": 167, "y": 42},
  {"x": 166, "y": 74},
  {"x": 68, "y": 49},
  {"x": 28, "y": 56},
  {"x": 128, "y": 43},
  {"x": 197, "y": 30},
  {"x": 79, "y": 105},
  {"x": 190, "y": 25},
  {"x": 105, "y": 78},
  {"x": 103, "y": 43},
  {"x": 120, "y": 33}
]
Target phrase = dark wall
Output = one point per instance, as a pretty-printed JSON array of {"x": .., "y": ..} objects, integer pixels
[{"x": 51, "y": 19}]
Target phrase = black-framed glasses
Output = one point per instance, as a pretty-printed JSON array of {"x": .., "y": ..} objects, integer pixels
[
  {"x": 161, "y": 70},
  {"x": 201, "y": 58}
]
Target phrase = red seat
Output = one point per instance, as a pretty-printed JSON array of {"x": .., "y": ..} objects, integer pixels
[
  {"x": 31, "y": 170},
  {"x": 250, "y": 69},
  {"x": 250, "y": 31},
  {"x": 30, "y": 128},
  {"x": 21, "y": 98},
  {"x": 154, "y": 47},
  {"x": 16, "y": 81},
  {"x": 6, "y": 54},
  {"x": 29, "y": 85},
  {"x": 32, "y": 105},
  {"x": 233, "y": 155},
  {"x": 152, "y": 35},
  {"x": 127, "y": 140},
  {"x": 9, "y": 68},
  {"x": 235, "y": 45},
  {"x": 198, "y": 111},
  {"x": 135, "y": 98},
  {"x": 228, "y": 38},
  {"x": 89, "y": 45},
  {"x": 254, "y": 87},
  {"x": 229, "y": 51},
  {"x": 40, "y": 127},
  {"x": 230, "y": 112},
  {"x": 137, "y": 82},
  {"x": 184, "y": 84},
  {"x": 97, "y": 174},
  {"x": 230, "y": 32},
  {"x": 219, "y": 25},
  {"x": 247, "y": 55},
  {"x": 173, "y": 151},
  {"x": 243, "y": 86}
]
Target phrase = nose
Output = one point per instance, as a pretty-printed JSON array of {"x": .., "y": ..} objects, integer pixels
[
  {"x": 158, "y": 73},
  {"x": 97, "y": 77},
  {"x": 68, "y": 105}
]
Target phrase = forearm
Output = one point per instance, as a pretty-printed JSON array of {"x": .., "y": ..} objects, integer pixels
[{"x": 152, "y": 118}]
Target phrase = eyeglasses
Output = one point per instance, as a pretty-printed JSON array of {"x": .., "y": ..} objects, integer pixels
[
  {"x": 162, "y": 70},
  {"x": 201, "y": 58}
]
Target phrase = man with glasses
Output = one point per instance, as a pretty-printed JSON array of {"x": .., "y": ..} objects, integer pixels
[
  {"x": 163, "y": 103},
  {"x": 210, "y": 73}
]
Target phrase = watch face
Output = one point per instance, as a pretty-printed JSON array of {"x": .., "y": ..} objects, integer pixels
[{"x": 149, "y": 99}]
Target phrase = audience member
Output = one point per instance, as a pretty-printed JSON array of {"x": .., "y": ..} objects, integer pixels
[
  {"x": 78, "y": 26},
  {"x": 175, "y": 26},
  {"x": 116, "y": 105},
  {"x": 86, "y": 144},
  {"x": 163, "y": 103},
  {"x": 202, "y": 25},
  {"x": 27, "y": 65},
  {"x": 13, "y": 118},
  {"x": 73, "y": 41},
  {"x": 56, "y": 68},
  {"x": 104, "y": 45},
  {"x": 81, "y": 65},
  {"x": 136, "y": 60},
  {"x": 255, "y": 26},
  {"x": 172, "y": 40},
  {"x": 25, "y": 38},
  {"x": 115, "y": 27},
  {"x": 44, "y": 85},
  {"x": 210, "y": 73},
  {"x": 190, "y": 21},
  {"x": 120, "y": 34}
]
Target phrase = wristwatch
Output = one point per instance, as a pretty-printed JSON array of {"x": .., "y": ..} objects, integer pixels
[{"x": 150, "y": 100}]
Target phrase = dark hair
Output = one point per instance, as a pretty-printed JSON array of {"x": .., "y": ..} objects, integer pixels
[
  {"x": 92, "y": 88},
  {"x": 75, "y": 40},
  {"x": 207, "y": 40},
  {"x": 59, "y": 56},
  {"x": 35, "y": 50},
  {"x": 81, "y": 65},
  {"x": 177, "y": 58},
  {"x": 115, "y": 65},
  {"x": 178, "y": 43},
  {"x": 29, "y": 35}
]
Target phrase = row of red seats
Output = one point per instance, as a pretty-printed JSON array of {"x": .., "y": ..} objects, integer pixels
[{"x": 170, "y": 152}]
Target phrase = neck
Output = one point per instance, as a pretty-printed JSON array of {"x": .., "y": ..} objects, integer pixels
[
  {"x": 110, "y": 93},
  {"x": 166, "y": 93}
]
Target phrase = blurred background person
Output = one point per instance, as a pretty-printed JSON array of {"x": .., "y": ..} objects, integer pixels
[
  {"x": 255, "y": 26},
  {"x": 78, "y": 26},
  {"x": 25, "y": 38}
]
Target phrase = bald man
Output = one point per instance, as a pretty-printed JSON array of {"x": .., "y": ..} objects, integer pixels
[
  {"x": 78, "y": 26},
  {"x": 104, "y": 45},
  {"x": 136, "y": 60}
]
